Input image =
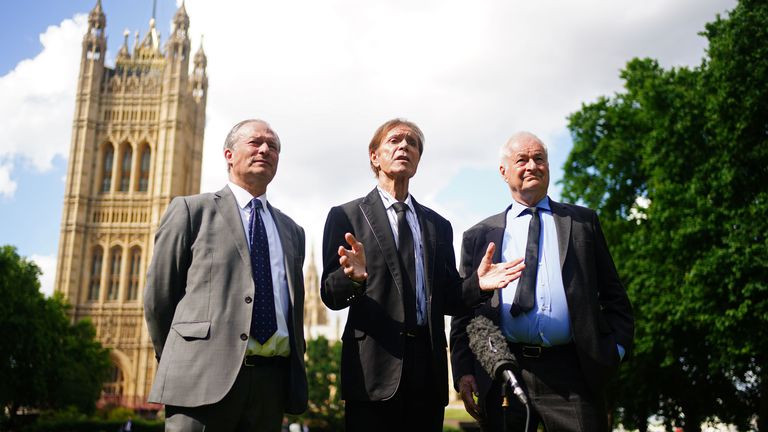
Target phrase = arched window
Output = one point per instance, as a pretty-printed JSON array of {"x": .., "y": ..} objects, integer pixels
[
  {"x": 125, "y": 169},
  {"x": 133, "y": 283},
  {"x": 146, "y": 155},
  {"x": 95, "y": 280},
  {"x": 106, "y": 171},
  {"x": 113, "y": 388},
  {"x": 116, "y": 257}
]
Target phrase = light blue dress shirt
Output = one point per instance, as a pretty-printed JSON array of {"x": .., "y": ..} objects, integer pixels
[{"x": 548, "y": 323}]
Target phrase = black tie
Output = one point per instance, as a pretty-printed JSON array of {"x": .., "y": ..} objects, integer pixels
[
  {"x": 408, "y": 263},
  {"x": 263, "y": 321},
  {"x": 526, "y": 288}
]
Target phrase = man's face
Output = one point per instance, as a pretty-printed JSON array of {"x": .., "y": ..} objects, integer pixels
[
  {"x": 254, "y": 157},
  {"x": 526, "y": 170},
  {"x": 398, "y": 153}
]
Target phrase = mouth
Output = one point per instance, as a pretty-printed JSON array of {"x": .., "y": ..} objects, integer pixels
[
  {"x": 260, "y": 162},
  {"x": 403, "y": 158}
]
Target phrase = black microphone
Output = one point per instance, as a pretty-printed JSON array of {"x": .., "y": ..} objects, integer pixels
[{"x": 490, "y": 348}]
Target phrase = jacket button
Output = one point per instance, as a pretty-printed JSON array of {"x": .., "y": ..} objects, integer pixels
[
  {"x": 243, "y": 336},
  {"x": 248, "y": 299}
]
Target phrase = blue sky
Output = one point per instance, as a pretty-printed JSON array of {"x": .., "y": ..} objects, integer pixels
[{"x": 326, "y": 74}]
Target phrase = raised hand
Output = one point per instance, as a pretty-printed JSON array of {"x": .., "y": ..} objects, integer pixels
[
  {"x": 495, "y": 276},
  {"x": 353, "y": 259}
]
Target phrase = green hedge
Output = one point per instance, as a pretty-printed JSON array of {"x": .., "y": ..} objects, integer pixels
[{"x": 91, "y": 425}]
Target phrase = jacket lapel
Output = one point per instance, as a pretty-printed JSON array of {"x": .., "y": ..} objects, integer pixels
[
  {"x": 226, "y": 205},
  {"x": 563, "y": 228},
  {"x": 287, "y": 243},
  {"x": 428, "y": 243},
  {"x": 376, "y": 217},
  {"x": 495, "y": 234}
]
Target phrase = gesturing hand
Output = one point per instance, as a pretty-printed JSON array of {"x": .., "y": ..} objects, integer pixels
[
  {"x": 495, "y": 276},
  {"x": 353, "y": 260}
]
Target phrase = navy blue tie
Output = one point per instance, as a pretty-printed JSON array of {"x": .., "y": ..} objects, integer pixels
[
  {"x": 526, "y": 288},
  {"x": 263, "y": 321}
]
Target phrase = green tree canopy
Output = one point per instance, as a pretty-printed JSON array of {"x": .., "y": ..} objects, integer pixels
[
  {"x": 677, "y": 166},
  {"x": 45, "y": 361}
]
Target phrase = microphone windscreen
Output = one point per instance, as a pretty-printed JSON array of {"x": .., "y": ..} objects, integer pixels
[{"x": 489, "y": 346}]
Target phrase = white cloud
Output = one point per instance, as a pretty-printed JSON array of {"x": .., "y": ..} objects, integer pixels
[
  {"x": 7, "y": 186},
  {"x": 47, "y": 264},
  {"x": 38, "y": 101},
  {"x": 326, "y": 74}
]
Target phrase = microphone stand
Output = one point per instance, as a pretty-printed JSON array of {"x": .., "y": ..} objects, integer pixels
[
  {"x": 506, "y": 389},
  {"x": 504, "y": 406}
]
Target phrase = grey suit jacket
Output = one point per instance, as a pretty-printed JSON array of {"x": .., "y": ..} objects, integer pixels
[
  {"x": 600, "y": 311},
  {"x": 195, "y": 300}
]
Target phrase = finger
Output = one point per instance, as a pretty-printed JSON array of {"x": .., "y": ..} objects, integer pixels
[
  {"x": 351, "y": 240},
  {"x": 488, "y": 257}
]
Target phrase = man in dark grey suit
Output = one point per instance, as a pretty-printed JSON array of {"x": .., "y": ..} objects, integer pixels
[
  {"x": 577, "y": 324},
  {"x": 224, "y": 299},
  {"x": 398, "y": 280}
]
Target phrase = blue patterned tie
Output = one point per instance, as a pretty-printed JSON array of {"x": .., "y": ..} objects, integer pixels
[{"x": 263, "y": 321}]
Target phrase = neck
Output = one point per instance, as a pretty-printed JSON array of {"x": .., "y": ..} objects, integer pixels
[
  {"x": 528, "y": 200},
  {"x": 397, "y": 187},
  {"x": 256, "y": 190}
]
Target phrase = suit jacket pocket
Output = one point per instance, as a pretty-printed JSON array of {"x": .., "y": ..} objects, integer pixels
[{"x": 193, "y": 330}]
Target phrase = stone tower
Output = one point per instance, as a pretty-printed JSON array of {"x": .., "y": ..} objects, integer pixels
[{"x": 137, "y": 140}]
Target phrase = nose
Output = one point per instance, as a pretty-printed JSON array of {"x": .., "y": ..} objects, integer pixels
[{"x": 263, "y": 148}]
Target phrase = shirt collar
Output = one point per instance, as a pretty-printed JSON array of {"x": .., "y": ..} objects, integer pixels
[
  {"x": 389, "y": 200},
  {"x": 243, "y": 197},
  {"x": 516, "y": 209}
]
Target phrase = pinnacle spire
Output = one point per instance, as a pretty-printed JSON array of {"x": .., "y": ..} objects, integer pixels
[{"x": 96, "y": 18}]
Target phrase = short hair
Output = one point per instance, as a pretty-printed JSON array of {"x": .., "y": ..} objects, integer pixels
[
  {"x": 384, "y": 129},
  {"x": 229, "y": 141},
  {"x": 517, "y": 137}
]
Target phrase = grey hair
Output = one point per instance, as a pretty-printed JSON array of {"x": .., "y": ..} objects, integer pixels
[
  {"x": 229, "y": 142},
  {"x": 518, "y": 137}
]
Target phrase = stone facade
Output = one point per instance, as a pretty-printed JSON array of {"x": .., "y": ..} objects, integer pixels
[{"x": 137, "y": 140}]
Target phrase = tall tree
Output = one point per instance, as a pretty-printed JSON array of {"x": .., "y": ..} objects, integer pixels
[
  {"x": 45, "y": 361},
  {"x": 677, "y": 165}
]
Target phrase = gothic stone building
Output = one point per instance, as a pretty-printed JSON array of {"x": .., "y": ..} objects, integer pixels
[{"x": 137, "y": 139}]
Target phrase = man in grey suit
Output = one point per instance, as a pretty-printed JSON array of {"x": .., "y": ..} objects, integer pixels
[
  {"x": 568, "y": 320},
  {"x": 224, "y": 299}
]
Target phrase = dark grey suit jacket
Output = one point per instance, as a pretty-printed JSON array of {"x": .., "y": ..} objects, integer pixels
[
  {"x": 195, "y": 300},
  {"x": 601, "y": 314},
  {"x": 373, "y": 338}
]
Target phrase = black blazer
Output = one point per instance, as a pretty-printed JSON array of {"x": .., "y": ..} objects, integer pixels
[
  {"x": 600, "y": 311},
  {"x": 373, "y": 338}
]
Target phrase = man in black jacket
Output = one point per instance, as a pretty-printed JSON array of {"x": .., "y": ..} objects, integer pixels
[{"x": 398, "y": 279}]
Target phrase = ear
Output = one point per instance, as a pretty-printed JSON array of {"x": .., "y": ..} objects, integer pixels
[
  {"x": 374, "y": 157},
  {"x": 503, "y": 171},
  {"x": 228, "y": 155}
]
